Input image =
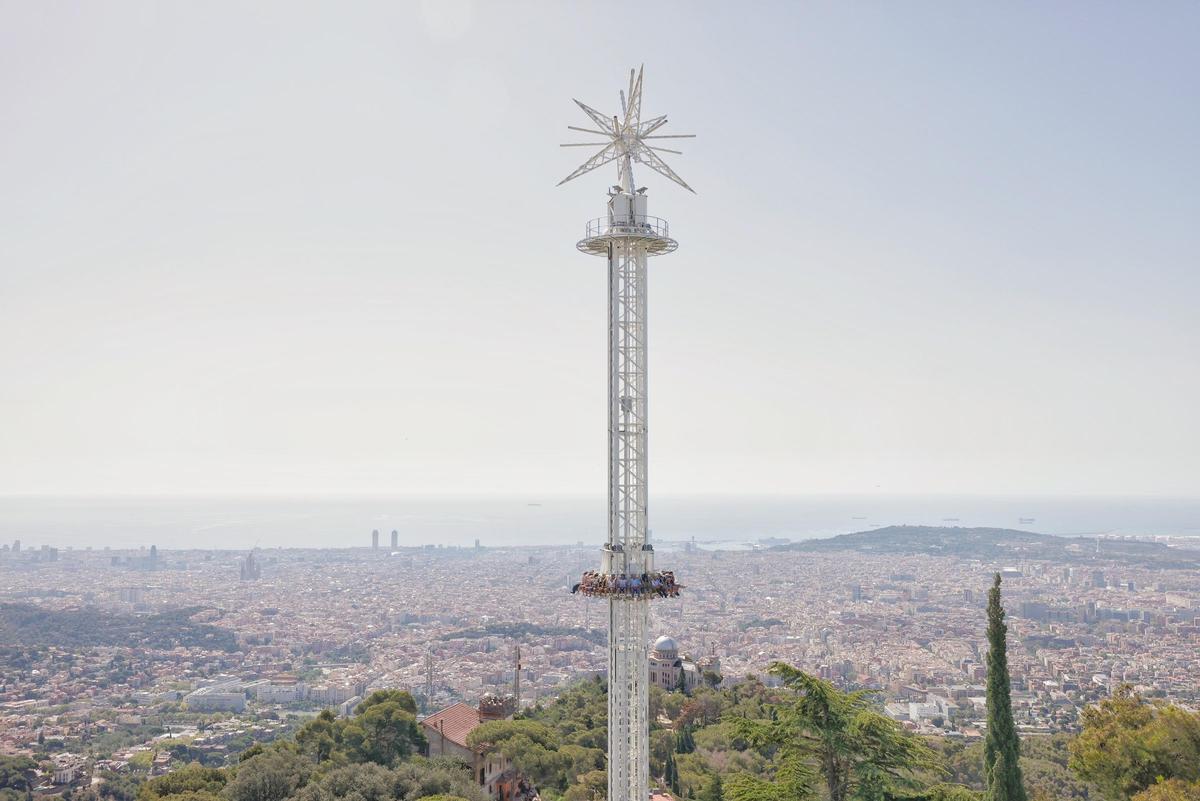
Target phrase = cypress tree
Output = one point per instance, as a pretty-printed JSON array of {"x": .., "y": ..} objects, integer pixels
[
  {"x": 1001, "y": 748},
  {"x": 672, "y": 777},
  {"x": 684, "y": 742}
]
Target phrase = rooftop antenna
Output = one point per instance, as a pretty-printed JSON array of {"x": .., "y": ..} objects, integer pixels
[
  {"x": 517, "y": 679},
  {"x": 428, "y": 681}
]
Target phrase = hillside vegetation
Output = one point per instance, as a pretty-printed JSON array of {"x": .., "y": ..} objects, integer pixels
[
  {"x": 28, "y": 625},
  {"x": 803, "y": 741}
]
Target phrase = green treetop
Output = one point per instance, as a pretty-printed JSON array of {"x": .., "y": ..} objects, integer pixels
[
  {"x": 1129, "y": 747},
  {"x": 858, "y": 752},
  {"x": 1002, "y": 749}
]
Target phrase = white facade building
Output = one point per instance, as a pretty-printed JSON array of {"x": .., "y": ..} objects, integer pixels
[{"x": 667, "y": 666}]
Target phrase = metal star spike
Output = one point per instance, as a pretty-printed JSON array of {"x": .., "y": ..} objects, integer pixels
[{"x": 626, "y": 139}]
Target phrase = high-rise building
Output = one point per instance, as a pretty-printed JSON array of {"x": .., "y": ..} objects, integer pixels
[
  {"x": 375, "y": 539},
  {"x": 131, "y": 595},
  {"x": 251, "y": 570},
  {"x": 395, "y": 539}
]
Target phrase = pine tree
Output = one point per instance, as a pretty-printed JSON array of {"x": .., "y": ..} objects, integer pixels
[{"x": 1001, "y": 749}]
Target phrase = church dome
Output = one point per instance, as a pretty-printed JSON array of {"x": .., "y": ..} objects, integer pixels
[{"x": 666, "y": 646}]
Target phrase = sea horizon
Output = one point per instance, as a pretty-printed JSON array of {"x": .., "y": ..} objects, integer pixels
[{"x": 227, "y": 521}]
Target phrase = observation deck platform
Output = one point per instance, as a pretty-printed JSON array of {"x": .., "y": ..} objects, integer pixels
[
  {"x": 652, "y": 232},
  {"x": 649, "y": 586}
]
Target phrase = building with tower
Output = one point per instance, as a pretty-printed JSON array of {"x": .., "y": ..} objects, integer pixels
[
  {"x": 446, "y": 732},
  {"x": 670, "y": 670},
  {"x": 250, "y": 568}
]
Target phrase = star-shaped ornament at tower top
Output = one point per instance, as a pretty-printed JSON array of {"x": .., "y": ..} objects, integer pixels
[{"x": 626, "y": 139}]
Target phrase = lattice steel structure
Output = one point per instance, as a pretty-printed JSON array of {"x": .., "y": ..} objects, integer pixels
[{"x": 626, "y": 237}]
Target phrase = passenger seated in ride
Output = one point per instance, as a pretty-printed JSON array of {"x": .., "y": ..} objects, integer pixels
[{"x": 595, "y": 583}]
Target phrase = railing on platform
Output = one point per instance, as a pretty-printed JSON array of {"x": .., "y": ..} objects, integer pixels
[{"x": 629, "y": 224}]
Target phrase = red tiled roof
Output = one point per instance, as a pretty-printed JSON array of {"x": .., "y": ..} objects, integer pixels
[{"x": 454, "y": 722}]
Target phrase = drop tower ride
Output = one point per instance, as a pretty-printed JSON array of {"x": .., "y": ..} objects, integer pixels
[{"x": 628, "y": 577}]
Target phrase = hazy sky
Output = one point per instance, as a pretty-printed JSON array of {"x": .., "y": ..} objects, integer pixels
[{"x": 937, "y": 247}]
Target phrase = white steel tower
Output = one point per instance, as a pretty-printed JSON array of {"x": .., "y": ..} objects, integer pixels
[{"x": 626, "y": 237}]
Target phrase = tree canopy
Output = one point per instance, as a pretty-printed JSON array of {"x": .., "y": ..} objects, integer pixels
[
  {"x": 1128, "y": 744},
  {"x": 1170, "y": 790},
  {"x": 534, "y": 750},
  {"x": 819, "y": 730},
  {"x": 802, "y": 741},
  {"x": 193, "y": 778},
  {"x": 16, "y": 773}
]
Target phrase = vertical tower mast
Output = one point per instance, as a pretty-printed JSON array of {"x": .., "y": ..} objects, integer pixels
[
  {"x": 517, "y": 679},
  {"x": 626, "y": 237}
]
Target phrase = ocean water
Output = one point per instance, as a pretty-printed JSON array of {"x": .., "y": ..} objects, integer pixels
[{"x": 336, "y": 522}]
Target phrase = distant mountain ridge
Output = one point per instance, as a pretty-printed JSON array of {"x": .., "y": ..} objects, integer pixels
[{"x": 999, "y": 543}]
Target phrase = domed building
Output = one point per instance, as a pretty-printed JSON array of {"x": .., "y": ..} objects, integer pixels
[
  {"x": 667, "y": 666},
  {"x": 666, "y": 646}
]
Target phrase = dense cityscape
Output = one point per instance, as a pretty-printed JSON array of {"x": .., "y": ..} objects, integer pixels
[{"x": 109, "y": 657}]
